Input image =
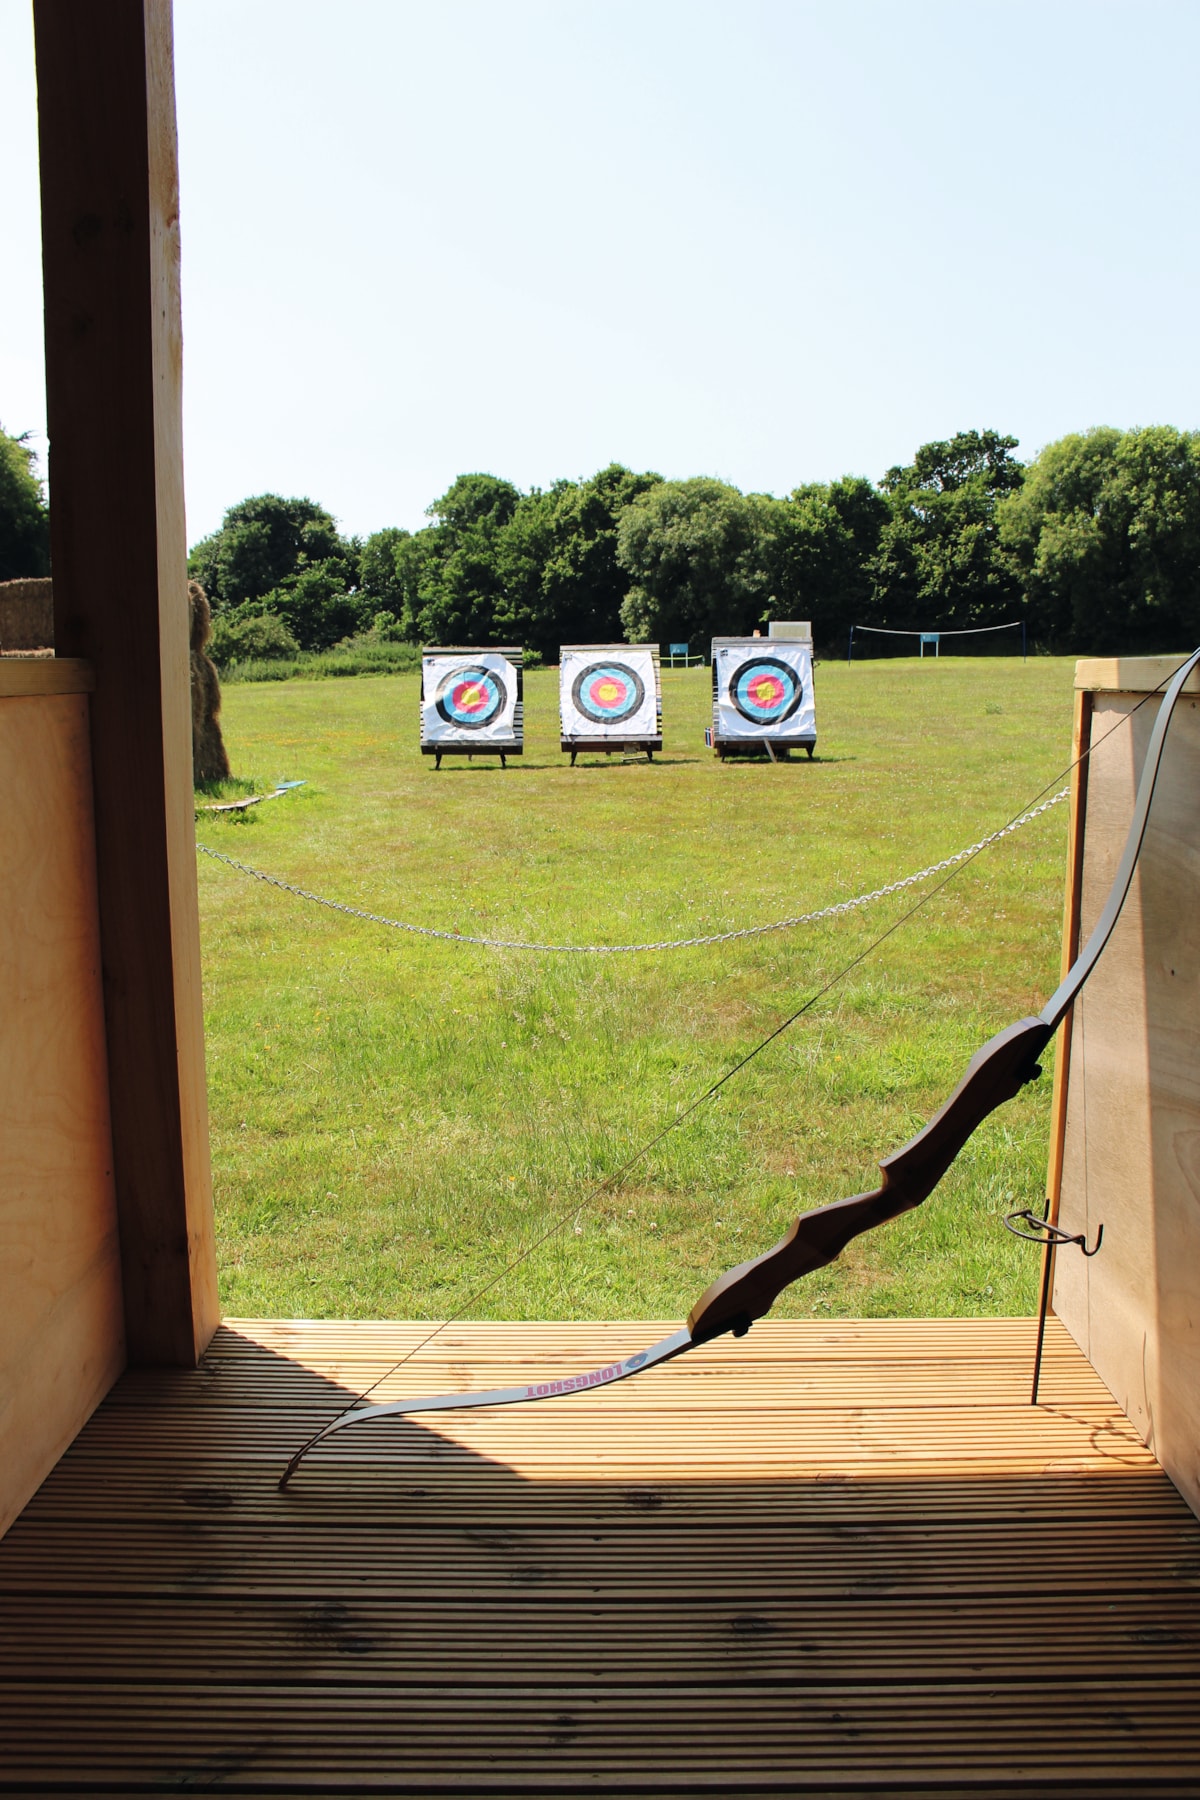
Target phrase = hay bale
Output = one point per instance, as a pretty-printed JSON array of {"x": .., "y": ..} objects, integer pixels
[
  {"x": 27, "y": 614},
  {"x": 209, "y": 761},
  {"x": 27, "y": 627}
]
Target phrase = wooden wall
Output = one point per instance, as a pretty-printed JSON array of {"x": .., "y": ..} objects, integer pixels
[
  {"x": 61, "y": 1325},
  {"x": 1130, "y": 1105}
]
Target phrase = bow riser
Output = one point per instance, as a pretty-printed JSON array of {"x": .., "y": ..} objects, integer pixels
[{"x": 910, "y": 1174}]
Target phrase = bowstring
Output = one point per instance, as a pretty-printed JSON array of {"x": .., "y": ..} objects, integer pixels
[{"x": 644, "y": 1150}]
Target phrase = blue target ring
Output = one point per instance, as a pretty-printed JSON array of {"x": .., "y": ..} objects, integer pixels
[
  {"x": 608, "y": 693},
  {"x": 471, "y": 697},
  {"x": 766, "y": 691}
]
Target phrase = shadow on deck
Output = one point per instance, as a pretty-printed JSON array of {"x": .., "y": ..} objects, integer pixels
[{"x": 831, "y": 1559}]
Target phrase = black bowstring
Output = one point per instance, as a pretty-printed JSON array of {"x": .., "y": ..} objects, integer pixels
[{"x": 631, "y": 1162}]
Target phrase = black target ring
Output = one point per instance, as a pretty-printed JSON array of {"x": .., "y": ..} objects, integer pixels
[
  {"x": 608, "y": 693},
  {"x": 765, "y": 690},
  {"x": 471, "y": 698}
]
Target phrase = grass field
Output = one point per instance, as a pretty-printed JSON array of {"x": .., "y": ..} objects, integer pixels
[{"x": 394, "y": 1119}]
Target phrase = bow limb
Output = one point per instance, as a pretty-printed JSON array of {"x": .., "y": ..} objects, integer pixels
[
  {"x": 550, "y": 1389},
  {"x": 1060, "y": 1002},
  {"x": 994, "y": 1075}
]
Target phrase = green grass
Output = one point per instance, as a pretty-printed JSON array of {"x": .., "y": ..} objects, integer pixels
[{"x": 394, "y": 1119}]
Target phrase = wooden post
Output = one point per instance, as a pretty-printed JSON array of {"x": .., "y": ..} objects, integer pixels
[
  {"x": 1081, "y": 739},
  {"x": 110, "y": 247}
]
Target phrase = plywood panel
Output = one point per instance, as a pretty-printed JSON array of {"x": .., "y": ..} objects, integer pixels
[
  {"x": 1136, "y": 675},
  {"x": 1132, "y": 1148},
  {"x": 45, "y": 675},
  {"x": 60, "y": 1293}
]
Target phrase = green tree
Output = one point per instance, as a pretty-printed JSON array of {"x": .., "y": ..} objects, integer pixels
[
  {"x": 264, "y": 542},
  {"x": 24, "y": 520},
  {"x": 449, "y": 573},
  {"x": 940, "y": 561},
  {"x": 826, "y": 537},
  {"x": 1105, "y": 534},
  {"x": 473, "y": 501},
  {"x": 258, "y": 637},
  {"x": 561, "y": 581},
  {"x": 379, "y": 579},
  {"x": 317, "y": 604},
  {"x": 287, "y": 558},
  {"x": 699, "y": 555}
]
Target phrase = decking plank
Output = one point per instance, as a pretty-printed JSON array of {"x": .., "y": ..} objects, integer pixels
[{"x": 838, "y": 1559}]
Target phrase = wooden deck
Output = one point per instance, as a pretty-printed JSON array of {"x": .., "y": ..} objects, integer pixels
[{"x": 831, "y": 1559}]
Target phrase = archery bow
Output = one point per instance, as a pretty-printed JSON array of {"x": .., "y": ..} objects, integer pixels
[{"x": 735, "y": 1300}]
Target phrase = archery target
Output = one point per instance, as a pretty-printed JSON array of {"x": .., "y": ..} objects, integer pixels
[
  {"x": 608, "y": 693},
  {"x": 763, "y": 694},
  {"x": 468, "y": 698}
]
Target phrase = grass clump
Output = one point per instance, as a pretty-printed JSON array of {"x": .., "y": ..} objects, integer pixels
[
  {"x": 259, "y": 646},
  {"x": 355, "y": 656}
]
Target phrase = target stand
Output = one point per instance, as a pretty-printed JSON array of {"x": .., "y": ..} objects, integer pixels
[
  {"x": 610, "y": 699},
  {"x": 472, "y": 702},
  {"x": 762, "y": 697}
]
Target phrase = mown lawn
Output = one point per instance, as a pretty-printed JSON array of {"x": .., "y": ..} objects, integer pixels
[{"x": 394, "y": 1119}]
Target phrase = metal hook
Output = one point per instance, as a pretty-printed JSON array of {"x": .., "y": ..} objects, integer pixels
[
  {"x": 1050, "y": 1237},
  {"x": 1046, "y": 1233}
]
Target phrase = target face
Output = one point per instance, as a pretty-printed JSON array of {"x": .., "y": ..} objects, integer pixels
[
  {"x": 608, "y": 693},
  {"x": 766, "y": 691},
  {"x": 471, "y": 697}
]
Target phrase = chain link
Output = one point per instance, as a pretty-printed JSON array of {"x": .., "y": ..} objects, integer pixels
[{"x": 692, "y": 943}]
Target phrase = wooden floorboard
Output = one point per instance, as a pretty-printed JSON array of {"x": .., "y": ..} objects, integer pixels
[{"x": 835, "y": 1559}]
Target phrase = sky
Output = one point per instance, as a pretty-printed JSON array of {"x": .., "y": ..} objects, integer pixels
[{"x": 775, "y": 243}]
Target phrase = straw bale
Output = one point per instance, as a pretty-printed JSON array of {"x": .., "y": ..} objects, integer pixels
[
  {"x": 27, "y": 614},
  {"x": 209, "y": 761}
]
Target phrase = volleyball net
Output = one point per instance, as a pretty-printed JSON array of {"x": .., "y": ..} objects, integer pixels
[{"x": 932, "y": 640}]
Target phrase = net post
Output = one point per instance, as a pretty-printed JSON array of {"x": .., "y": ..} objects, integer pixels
[{"x": 850, "y": 652}]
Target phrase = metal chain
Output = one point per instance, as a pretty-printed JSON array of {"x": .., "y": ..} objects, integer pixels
[{"x": 717, "y": 937}]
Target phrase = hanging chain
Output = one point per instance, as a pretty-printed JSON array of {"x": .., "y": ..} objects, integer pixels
[{"x": 692, "y": 943}]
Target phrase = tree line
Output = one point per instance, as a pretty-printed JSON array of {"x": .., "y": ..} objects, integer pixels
[
  {"x": 24, "y": 520},
  {"x": 1096, "y": 543}
]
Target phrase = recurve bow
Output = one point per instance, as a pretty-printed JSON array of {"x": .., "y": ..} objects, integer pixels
[{"x": 735, "y": 1300}]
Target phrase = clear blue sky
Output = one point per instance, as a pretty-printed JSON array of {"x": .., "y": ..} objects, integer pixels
[{"x": 771, "y": 242}]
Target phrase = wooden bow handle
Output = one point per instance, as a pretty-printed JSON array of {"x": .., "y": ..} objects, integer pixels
[{"x": 910, "y": 1174}]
